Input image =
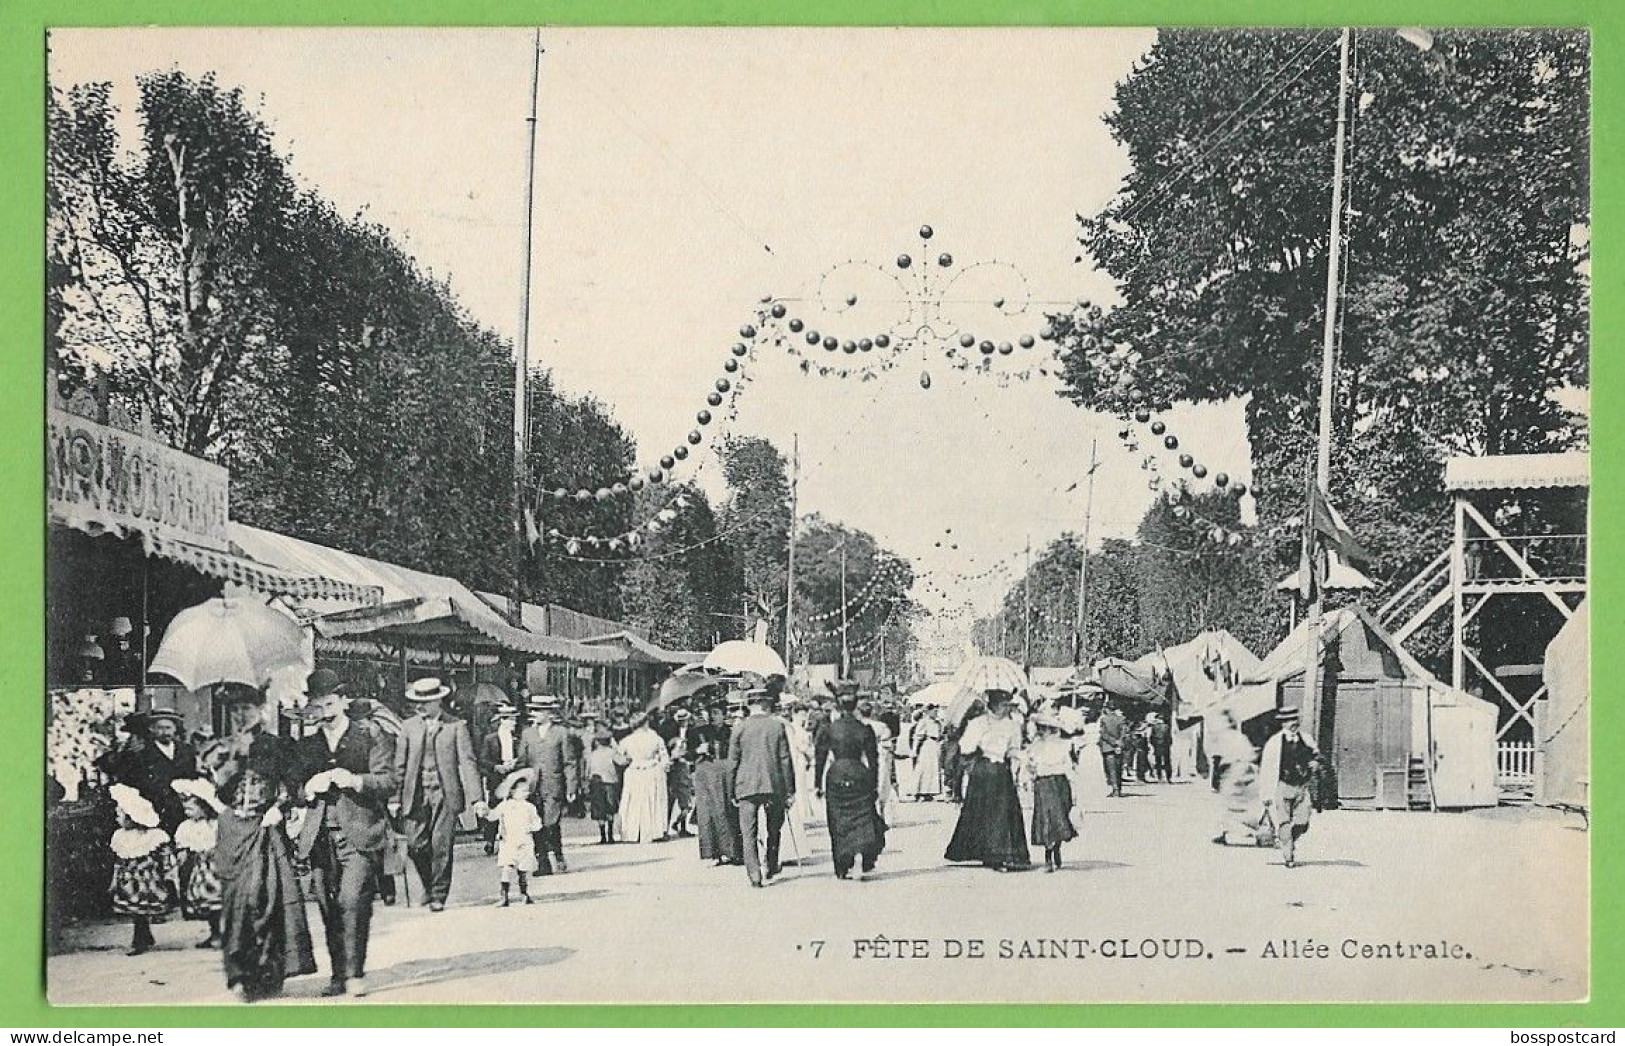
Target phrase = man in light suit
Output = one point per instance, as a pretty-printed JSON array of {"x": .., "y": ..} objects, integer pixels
[
  {"x": 440, "y": 781},
  {"x": 764, "y": 778},
  {"x": 348, "y": 775},
  {"x": 545, "y": 748}
]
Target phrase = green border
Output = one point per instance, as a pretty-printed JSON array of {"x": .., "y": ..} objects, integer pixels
[{"x": 22, "y": 78}]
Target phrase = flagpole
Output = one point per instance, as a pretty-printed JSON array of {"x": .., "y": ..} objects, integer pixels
[
  {"x": 521, "y": 357},
  {"x": 1311, "y": 711},
  {"x": 790, "y": 561}
]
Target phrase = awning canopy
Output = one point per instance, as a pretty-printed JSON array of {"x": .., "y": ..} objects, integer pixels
[
  {"x": 634, "y": 648},
  {"x": 417, "y": 608}
]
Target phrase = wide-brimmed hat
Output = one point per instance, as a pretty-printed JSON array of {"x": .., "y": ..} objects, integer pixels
[
  {"x": 1286, "y": 715},
  {"x": 134, "y": 805},
  {"x": 427, "y": 689},
  {"x": 542, "y": 703},
  {"x": 505, "y": 789},
  {"x": 842, "y": 687},
  {"x": 197, "y": 788},
  {"x": 152, "y": 715},
  {"x": 322, "y": 682},
  {"x": 682, "y": 715},
  {"x": 120, "y": 627},
  {"x": 1047, "y": 718},
  {"x": 505, "y": 712}
]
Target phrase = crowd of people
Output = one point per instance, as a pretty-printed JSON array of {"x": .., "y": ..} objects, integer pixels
[{"x": 241, "y": 832}]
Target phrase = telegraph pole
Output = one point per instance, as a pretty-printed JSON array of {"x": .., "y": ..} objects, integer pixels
[
  {"x": 1311, "y": 710},
  {"x": 1080, "y": 637},
  {"x": 521, "y": 358},
  {"x": 845, "y": 653},
  {"x": 790, "y": 563},
  {"x": 1027, "y": 613}
]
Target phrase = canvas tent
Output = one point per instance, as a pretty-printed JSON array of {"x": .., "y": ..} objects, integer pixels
[
  {"x": 1563, "y": 721},
  {"x": 1396, "y": 736},
  {"x": 1200, "y": 672}
]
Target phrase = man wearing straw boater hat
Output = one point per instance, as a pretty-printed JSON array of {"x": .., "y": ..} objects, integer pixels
[
  {"x": 440, "y": 781},
  {"x": 1286, "y": 777},
  {"x": 349, "y": 774},
  {"x": 499, "y": 757}
]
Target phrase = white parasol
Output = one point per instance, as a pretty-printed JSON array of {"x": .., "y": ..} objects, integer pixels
[
  {"x": 743, "y": 657},
  {"x": 230, "y": 640},
  {"x": 977, "y": 676}
]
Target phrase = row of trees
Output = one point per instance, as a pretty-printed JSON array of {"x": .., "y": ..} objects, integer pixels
[
  {"x": 355, "y": 400},
  {"x": 1164, "y": 586}
]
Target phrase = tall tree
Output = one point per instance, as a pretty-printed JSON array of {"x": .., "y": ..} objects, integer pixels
[
  {"x": 757, "y": 517},
  {"x": 1465, "y": 303},
  {"x": 163, "y": 247},
  {"x": 877, "y": 585}
]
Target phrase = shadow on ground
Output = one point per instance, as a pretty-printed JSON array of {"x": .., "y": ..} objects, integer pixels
[{"x": 418, "y": 973}]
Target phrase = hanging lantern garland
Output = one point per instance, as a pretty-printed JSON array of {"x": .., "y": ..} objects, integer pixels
[
  {"x": 720, "y": 402},
  {"x": 890, "y": 570},
  {"x": 925, "y": 290}
]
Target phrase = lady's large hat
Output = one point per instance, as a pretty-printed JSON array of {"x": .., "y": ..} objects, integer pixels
[
  {"x": 134, "y": 805},
  {"x": 505, "y": 789},
  {"x": 1047, "y": 718},
  {"x": 200, "y": 789},
  {"x": 427, "y": 689}
]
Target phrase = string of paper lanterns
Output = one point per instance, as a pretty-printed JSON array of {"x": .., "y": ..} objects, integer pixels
[{"x": 890, "y": 570}]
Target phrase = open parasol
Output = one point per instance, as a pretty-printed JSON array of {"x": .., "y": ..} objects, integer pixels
[
  {"x": 684, "y": 683},
  {"x": 230, "y": 640},
  {"x": 977, "y": 676},
  {"x": 742, "y": 657}
]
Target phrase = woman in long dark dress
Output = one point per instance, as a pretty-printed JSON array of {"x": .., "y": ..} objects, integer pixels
[
  {"x": 850, "y": 789},
  {"x": 990, "y": 830},
  {"x": 716, "y": 812},
  {"x": 264, "y": 932}
]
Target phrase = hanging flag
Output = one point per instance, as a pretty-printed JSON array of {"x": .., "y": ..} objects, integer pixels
[{"x": 1330, "y": 526}]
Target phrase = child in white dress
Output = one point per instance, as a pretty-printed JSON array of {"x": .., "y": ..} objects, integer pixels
[{"x": 517, "y": 822}]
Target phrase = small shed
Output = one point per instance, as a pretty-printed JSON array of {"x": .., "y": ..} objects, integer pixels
[
  {"x": 1563, "y": 723},
  {"x": 1396, "y": 736}
]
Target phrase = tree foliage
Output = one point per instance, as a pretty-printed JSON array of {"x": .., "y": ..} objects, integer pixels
[
  {"x": 757, "y": 517},
  {"x": 1464, "y": 302}
]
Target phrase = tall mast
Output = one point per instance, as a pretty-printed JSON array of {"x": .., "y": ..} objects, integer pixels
[
  {"x": 1310, "y": 709},
  {"x": 1080, "y": 637},
  {"x": 790, "y": 563},
  {"x": 521, "y": 357}
]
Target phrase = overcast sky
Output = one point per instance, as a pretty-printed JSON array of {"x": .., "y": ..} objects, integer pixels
[{"x": 682, "y": 175}]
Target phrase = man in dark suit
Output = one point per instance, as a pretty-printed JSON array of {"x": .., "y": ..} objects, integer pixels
[
  {"x": 764, "y": 778},
  {"x": 440, "y": 781},
  {"x": 545, "y": 748},
  {"x": 161, "y": 759},
  {"x": 349, "y": 777},
  {"x": 1113, "y": 744},
  {"x": 499, "y": 757}
]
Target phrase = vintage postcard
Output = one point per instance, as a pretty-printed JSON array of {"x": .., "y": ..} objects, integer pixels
[{"x": 579, "y": 515}]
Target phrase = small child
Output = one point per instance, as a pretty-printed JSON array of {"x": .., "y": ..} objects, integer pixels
[
  {"x": 1050, "y": 761},
  {"x": 604, "y": 784},
  {"x": 194, "y": 845},
  {"x": 144, "y": 878},
  {"x": 517, "y": 823}
]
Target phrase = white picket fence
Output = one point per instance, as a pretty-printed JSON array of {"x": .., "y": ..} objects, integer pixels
[{"x": 1515, "y": 763}]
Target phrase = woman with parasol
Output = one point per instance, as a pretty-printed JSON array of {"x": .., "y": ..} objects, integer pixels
[
  {"x": 265, "y": 936},
  {"x": 989, "y": 830}
]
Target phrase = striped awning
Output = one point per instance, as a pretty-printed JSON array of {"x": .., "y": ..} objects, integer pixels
[
  {"x": 240, "y": 570},
  {"x": 1518, "y": 471}
]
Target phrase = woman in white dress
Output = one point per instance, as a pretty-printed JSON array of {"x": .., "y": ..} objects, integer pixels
[
  {"x": 908, "y": 781},
  {"x": 644, "y": 798},
  {"x": 1089, "y": 779},
  {"x": 798, "y": 845},
  {"x": 927, "y": 756}
]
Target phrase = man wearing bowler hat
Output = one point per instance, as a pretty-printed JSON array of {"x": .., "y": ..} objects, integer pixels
[
  {"x": 440, "y": 781},
  {"x": 545, "y": 748},
  {"x": 764, "y": 778},
  {"x": 1286, "y": 782},
  {"x": 161, "y": 759},
  {"x": 349, "y": 778}
]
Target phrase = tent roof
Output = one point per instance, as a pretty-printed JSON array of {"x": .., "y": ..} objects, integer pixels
[
  {"x": 1339, "y": 576},
  {"x": 417, "y": 606},
  {"x": 1518, "y": 471},
  {"x": 1187, "y": 664},
  {"x": 635, "y": 648},
  {"x": 1286, "y": 660}
]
